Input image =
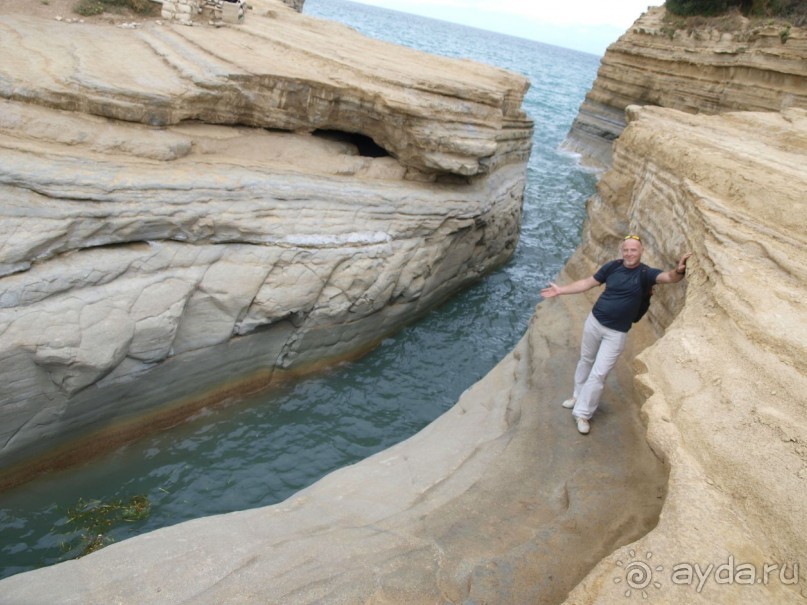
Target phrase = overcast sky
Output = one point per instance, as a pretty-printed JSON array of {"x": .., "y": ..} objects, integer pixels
[{"x": 587, "y": 25}]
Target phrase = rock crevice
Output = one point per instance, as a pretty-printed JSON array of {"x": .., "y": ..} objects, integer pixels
[{"x": 697, "y": 460}]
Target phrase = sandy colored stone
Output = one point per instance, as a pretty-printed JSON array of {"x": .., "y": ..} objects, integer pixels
[
  {"x": 279, "y": 70},
  {"x": 699, "y": 459},
  {"x": 725, "y": 381},
  {"x": 727, "y": 64}
]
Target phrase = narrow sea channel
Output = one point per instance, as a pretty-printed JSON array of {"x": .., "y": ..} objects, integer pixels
[{"x": 262, "y": 450}]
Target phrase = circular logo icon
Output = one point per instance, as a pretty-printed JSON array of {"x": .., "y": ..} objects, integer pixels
[{"x": 638, "y": 575}]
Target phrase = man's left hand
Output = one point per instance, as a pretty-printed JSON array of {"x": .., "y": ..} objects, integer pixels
[{"x": 682, "y": 264}]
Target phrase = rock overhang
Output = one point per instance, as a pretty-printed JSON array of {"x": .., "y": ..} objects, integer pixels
[
  {"x": 278, "y": 70},
  {"x": 194, "y": 204}
]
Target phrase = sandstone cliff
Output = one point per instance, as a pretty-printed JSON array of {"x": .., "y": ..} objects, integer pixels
[
  {"x": 501, "y": 500},
  {"x": 725, "y": 381},
  {"x": 191, "y": 211},
  {"x": 727, "y": 64}
]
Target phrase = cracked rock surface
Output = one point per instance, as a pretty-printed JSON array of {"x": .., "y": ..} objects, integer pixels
[{"x": 189, "y": 211}]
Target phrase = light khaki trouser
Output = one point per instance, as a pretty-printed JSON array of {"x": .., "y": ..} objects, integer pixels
[{"x": 599, "y": 351}]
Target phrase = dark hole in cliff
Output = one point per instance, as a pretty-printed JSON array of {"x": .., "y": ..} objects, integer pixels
[
  {"x": 452, "y": 179},
  {"x": 135, "y": 245},
  {"x": 366, "y": 146}
]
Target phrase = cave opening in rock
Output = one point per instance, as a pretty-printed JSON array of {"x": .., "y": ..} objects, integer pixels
[{"x": 366, "y": 146}]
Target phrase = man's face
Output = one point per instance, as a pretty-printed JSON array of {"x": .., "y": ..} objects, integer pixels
[{"x": 631, "y": 253}]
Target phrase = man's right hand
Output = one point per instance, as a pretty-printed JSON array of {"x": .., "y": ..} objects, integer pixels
[
  {"x": 576, "y": 287},
  {"x": 551, "y": 291}
]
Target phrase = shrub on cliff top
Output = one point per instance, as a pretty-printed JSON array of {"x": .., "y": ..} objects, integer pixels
[
  {"x": 88, "y": 8},
  {"x": 686, "y": 8},
  {"x": 96, "y": 7},
  {"x": 794, "y": 11}
]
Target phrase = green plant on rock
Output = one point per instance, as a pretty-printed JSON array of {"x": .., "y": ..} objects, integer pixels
[
  {"x": 94, "y": 519},
  {"x": 784, "y": 34},
  {"x": 793, "y": 11},
  {"x": 669, "y": 31},
  {"x": 88, "y": 8},
  {"x": 672, "y": 23},
  {"x": 698, "y": 7},
  {"x": 138, "y": 6}
]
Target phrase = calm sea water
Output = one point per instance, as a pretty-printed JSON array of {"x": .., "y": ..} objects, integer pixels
[{"x": 262, "y": 450}]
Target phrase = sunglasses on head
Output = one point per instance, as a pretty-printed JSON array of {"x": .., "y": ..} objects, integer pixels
[{"x": 636, "y": 237}]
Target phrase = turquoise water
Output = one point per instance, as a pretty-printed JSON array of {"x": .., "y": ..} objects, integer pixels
[{"x": 262, "y": 450}]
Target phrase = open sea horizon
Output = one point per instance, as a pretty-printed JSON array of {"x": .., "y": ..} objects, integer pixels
[{"x": 262, "y": 449}]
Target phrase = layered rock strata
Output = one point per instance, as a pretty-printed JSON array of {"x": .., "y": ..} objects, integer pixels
[
  {"x": 189, "y": 212},
  {"x": 724, "y": 384},
  {"x": 501, "y": 500},
  {"x": 728, "y": 64}
]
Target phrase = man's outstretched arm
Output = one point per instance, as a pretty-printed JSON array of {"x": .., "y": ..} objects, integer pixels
[
  {"x": 673, "y": 276},
  {"x": 581, "y": 285}
]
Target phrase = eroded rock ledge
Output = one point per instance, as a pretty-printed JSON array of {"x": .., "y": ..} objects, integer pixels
[
  {"x": 191, "y": 211},
  {"x": 697, "y": 70},
  {"x": 278, "y": 70},
  {"x": 500, "y": 500}
]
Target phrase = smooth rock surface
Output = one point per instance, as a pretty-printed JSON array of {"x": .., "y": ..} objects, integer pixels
[{"x": 190, "y": 212}]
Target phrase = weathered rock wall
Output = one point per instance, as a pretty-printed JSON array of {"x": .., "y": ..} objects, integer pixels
[
  {"x": 743, "y": 66},
  {"x": 725, "y": 381},
  {"x": 501, "y": 500},
  {"x": 186, "y": 212},
  {"x": 189, "y": 11}
]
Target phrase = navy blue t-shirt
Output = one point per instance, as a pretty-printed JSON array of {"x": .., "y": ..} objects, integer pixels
[{"x": 618, "y": 305}]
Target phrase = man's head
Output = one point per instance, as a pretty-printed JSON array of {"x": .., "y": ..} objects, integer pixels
[{"x": 631, "y": 251}]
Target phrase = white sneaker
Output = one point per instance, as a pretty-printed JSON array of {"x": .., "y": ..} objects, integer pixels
[
  {"x": 569, "y": 403},
  {"x": 583, "y": 427}
]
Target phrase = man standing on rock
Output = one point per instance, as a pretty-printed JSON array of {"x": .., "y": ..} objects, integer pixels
[{"x": 627, "y": 284}]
